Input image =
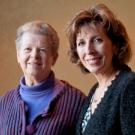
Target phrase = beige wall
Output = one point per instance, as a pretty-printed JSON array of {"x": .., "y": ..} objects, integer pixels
[{"x": 56, "y": 12}]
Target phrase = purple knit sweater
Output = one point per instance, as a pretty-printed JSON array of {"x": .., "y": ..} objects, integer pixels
[{"x": 59, "y": 119}]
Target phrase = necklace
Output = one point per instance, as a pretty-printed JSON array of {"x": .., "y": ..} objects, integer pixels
[
  {"x": 100, "y": 91},
  {"x": 95, "y": 101}
]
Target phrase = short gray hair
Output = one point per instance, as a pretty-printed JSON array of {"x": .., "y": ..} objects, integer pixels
[{"x": 41, "y": 28}]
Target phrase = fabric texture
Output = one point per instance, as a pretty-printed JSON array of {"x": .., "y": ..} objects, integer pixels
[
  {"x": 43, "y": 93},
  {"x": 115, "y": 114},
  {"x": 58, "y": 119}
]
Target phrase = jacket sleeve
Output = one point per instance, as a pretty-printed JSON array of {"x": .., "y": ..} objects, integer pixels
[{"x": 127, "y": 107}]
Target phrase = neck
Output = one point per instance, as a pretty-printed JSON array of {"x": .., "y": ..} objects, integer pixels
[
  {"x": 34, "y": 80},
  {"x": 105, "y": 79}
]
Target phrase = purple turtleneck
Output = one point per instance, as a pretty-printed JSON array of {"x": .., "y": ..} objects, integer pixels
[{"x": 37, "y": 97}]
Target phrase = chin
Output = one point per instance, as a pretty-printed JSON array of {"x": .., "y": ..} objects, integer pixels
[
  {"x": 34, "y": 73},
  {"x": 94, "y": 69}
]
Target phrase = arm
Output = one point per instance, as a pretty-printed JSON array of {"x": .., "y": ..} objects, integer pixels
[{"x": 127, "y": 107}]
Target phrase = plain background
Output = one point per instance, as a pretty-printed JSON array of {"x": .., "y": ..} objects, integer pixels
[{"x": 58, "y": 13}]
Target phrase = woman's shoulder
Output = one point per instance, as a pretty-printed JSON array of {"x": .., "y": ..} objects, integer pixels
[
  {"x": 126, "y": 82},
  {"x": 125, "y": 75},
  {"x": 69, "y": 87},
  {"x": 9, "y": 94}
]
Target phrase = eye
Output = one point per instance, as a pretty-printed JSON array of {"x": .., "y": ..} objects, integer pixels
[
  {"x": 43, "y": 49},
  {"x": 97, "y": 40},
  {"x": 28, "y": 49},
  {"x": 81, "y": 43}
]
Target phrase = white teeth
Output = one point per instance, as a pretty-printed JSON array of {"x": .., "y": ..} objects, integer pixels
[
  {"x": 93, "y": 60},
  {"x": 34, "y": 63}
]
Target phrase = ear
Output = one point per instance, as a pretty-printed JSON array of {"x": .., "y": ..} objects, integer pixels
[
  {"x": 55, "y": 56},
  {"x": 18, "y": 56}
]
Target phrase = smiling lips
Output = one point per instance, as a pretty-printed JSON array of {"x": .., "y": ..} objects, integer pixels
[
  {"x": 34, "y": 63},
  {"x": 93, "y": 61}
]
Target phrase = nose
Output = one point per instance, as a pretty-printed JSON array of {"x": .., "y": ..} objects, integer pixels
[
  {"x": 90, "y": 49},
  {"x": 35, "y": 53}
]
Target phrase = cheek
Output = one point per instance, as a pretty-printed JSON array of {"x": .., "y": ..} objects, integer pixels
[
  {"x": 46, "y": 60},
  {"x": 80, "y": 54},
  {"x": 22, "y": 59}
]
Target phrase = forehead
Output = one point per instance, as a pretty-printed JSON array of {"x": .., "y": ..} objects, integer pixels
[
  {"x": 90, "y": 29},
  {"x": 33, "y": 38}
]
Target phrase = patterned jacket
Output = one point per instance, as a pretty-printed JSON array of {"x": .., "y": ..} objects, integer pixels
[
  {"x": 59, "y": 119},
  {"x": 115, "y": 114}
]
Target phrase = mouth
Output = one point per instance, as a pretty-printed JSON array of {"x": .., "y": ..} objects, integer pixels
[
  {"x": 34, "y": 63},
  {"x": 93, "y": 61}
]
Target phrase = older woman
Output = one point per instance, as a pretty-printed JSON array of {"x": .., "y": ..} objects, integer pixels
[
  {"x": 41, "y": 104},
  {"x": 99, "y": 44}
]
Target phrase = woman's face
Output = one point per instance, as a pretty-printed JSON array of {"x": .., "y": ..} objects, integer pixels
[
  {"x": 35, "y": 56},
  {"x": 94, "y": 49}
]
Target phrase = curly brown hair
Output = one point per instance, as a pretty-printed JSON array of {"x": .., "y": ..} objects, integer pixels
[{"x": 114, "y": 29}]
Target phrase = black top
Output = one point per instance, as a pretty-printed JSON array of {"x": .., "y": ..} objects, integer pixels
[{"x": 115, "y": 114}]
